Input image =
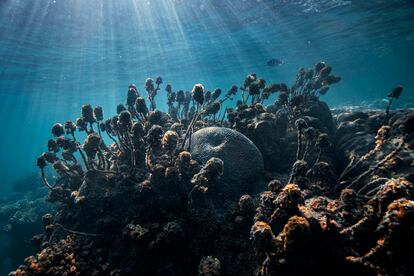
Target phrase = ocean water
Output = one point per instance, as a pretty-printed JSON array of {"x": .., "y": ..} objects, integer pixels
[{"x": 56, "y": 55}]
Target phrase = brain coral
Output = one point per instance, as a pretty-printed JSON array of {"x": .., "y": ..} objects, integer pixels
[{"x": 243, "y": 162}]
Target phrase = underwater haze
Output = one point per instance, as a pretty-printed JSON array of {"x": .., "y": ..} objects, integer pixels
[{"x": 56, "y": 55}]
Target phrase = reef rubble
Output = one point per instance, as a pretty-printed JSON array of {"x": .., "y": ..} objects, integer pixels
[{"x": 209, "y": 187}]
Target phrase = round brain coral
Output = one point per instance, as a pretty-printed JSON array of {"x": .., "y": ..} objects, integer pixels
[{"x": 242, "y": 160}]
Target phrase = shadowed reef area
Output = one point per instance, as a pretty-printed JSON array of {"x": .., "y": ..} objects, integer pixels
[{"x": 219, "y": 186}]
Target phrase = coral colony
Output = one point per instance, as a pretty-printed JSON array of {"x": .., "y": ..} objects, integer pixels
[{"x": 212, "y": 188}]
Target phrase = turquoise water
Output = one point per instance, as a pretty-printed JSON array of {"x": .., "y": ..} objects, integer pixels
[{"x": 57, "y": 55}]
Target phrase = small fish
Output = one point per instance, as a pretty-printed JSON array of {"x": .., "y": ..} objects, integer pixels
[{"x": 274, "y": 62}]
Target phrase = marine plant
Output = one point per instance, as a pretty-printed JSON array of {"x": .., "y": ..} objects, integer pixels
[{"x": 152, "y": 90}]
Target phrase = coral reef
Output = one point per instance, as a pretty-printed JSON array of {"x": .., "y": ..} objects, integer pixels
[
  {"x": 21, "y": 218},
  {"x": 215, "y": 189}
]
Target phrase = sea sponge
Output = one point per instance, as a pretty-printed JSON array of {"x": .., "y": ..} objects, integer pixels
[
  {"x": 198, "y": 93},
  {"x": 81, "y": 124},
  {"x": 295, "y": 232},
  {"x": 170, "y": 140},
  {"x": 262, "y": 237},
  {"x": 135, "y": 232},
  {"x": 141, "y": 106},
  {"x": 41, "y": 162},
  {"x": 323, "y": 141},
  {"x": 249, "y": 80},
  {"x": 246, "y": 204},
  {"x": 131, "y": 96},
  {"x": 52, "y": 145},
  {"x": 120, "y": 108},
  {"x": 137, "y": 130},
  {"x": 149, "y": 84},
  {"x": 216, "y": 94},
  {"x": 207, "y": 96},
  {"x": 393, "y": 189},
  {"x": 57, "y": 130},
  {"x": 180, "y": 96},
  {"x": 290, "y": 196},
  {"x": 70, "y": 127},
  {"x": 154, "y": 135},
  {"x": 209, "y": 266},
  {"x": 158, "y": 80},
  {"x": 209, "y": 173},
  {"x": 242, "y": 160},
  {"x": 91, "y": 145},
  {"x": 232, "y": 91},
  {"x": 155, "y": 117},
  {"x": 396, "y": 92},
  {"x": 87, "y": 113},
  {"x": 184, "y": 158},
  {"x": 98, "y": 113},
  {"x": 274, "y": 186},
  {"x": 125, "y": 120},
  {"x": 397, "y": 212},
  {"x": 212, "y": 108},
  {"x": 168, "y": 88},
  {"x": 254, "y": 88}
]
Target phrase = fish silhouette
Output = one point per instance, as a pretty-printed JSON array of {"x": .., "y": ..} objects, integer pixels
[{"x": 274, "y": 62}]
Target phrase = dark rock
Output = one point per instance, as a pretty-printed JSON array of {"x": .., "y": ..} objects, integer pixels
[
  {"x": 404, "y": 124},
  {"x": 266, "y": 131},
  {"x": 351, "y": 116},
  {"x": 320, "y": 110}
]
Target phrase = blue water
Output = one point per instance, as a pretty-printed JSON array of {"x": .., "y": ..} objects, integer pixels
[{"x": 57, "y": 55}]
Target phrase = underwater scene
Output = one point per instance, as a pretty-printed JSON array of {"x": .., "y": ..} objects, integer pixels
[{"x": 206, "y": 137}]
